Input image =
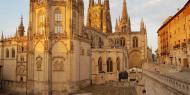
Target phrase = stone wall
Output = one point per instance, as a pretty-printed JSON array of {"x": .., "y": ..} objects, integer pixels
[{"x": 18, "y": 88}]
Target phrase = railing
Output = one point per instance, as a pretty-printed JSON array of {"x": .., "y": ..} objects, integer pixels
[{"x": 178, "y": 85}]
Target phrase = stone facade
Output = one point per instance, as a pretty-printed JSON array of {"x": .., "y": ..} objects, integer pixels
[
  {"x": 174, "y": 39},
  {"x": 59, "y": 54}
]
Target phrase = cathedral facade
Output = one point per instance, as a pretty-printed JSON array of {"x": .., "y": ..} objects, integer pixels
[{"x": 60, "y": 54}]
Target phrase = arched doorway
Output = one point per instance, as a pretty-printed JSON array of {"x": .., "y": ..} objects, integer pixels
[{"x": 135, "y": 59}]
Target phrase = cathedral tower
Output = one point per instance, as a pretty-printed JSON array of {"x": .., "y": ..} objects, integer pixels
[
  {"x": 20, "y": 31},
  {"x": 124, "y": 24},
  {"x": 53, "y": 28},
  {"x": 99, "y": 16}
]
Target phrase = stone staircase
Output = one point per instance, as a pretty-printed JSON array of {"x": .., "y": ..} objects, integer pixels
[
  {"x": 125, "y": 83},
  {"x": 111, "y": 88}
]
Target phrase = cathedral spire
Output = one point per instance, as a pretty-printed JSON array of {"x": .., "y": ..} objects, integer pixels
[
  {"x": 81, "y": 5},
  {"x": 21, "y": 22},
  {"x": 91, "y": 3},
  {"x": 142, "y": 26},
  {"x": 80, "y": 2},
  {"x": 106, "y": 4},
  {"x": 124, "y": 11},
  {"x": 2, "y": 36},
  {"x": 116, "y": 26},
  {"x": 129, "y": 23},
  {"x": 116, "y": 22},
  {"x": 99, "y": 2},
  {"x": 81, "y": 15},
  {"x": 107, "y": 26},
  {"x": 20, "y": 31}
]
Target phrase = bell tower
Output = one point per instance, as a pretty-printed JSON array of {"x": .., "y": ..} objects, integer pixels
[{"x": 53, "y": 25}]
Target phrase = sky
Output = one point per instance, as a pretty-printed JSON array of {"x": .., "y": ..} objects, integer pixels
[{"x": 154, "y": 12}]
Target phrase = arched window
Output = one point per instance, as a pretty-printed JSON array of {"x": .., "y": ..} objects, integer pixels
[
  {"x": 21, "y": 79},
  {"x": 122, "y": 42},
  {"x": 92, "y": 42},
  {"x": 100, "y": 67},
  {"x": 100, "y": 43},
  {"x": 58, "y": 28},
  {"x": 117, "y": 43},
  {"x": 135, "y": 42},
  {"x": 21, "y": 58},
  {"x": 13, "y": 53},
  {"x": 7, "y": 53},
  {"x": 41, "y": 22},
  {"x": 109, "y": 65},
  {"x": 58, "y": 15},
  {"x": 118, "y": 64},
  {"x": 58, "y": 21}
]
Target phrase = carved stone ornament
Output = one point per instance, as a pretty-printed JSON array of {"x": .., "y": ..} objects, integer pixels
[
  {"x": 39, "y": 63},
  {"x": 58, "y": 63},
  {"x": 21, "y": 70}
]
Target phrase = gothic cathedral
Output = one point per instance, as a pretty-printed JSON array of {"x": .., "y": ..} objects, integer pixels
[{"x": 60, "y": 54}]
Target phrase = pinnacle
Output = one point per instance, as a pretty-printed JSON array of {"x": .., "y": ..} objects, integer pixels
[
  {"x": 99, "y": 2},
  {"x": 106, "y": 4},
  {"x": 124, "y": 10},
  {"x": 142, "y": 23}
]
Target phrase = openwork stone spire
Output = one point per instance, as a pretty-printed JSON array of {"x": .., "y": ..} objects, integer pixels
[
  {"x": 91, "y": 3},
  {"x": 2, "y": 36},
  {"x": 142, "y": 26},
  {"x": 99, "y": 2},
  {"x": 106, "y": 4},
  {"x": 124, "y": 11},
  {"x": 20, "y": 31}
]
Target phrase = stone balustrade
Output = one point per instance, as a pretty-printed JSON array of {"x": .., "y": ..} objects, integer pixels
[{"x": 178, "y": 85}]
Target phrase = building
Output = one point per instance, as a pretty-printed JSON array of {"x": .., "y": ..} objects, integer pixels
[
  {"x": 174, "y": 39},
  {"x": 60, "y": 54}
]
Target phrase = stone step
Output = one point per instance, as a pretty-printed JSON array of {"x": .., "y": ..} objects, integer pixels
[
  {"x": 121, "y": 84},
  {"x": 83, "y": 94}
]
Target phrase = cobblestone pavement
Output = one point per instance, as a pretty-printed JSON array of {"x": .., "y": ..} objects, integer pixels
[{"x": 107, "y": 90}]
